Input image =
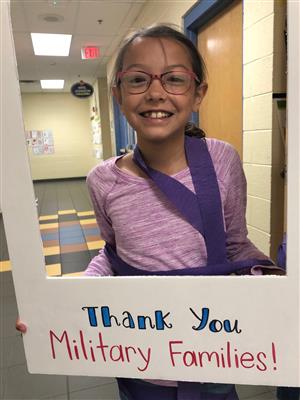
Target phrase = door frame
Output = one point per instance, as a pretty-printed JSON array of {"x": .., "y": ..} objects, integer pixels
[{"x": 197, "y": 16}]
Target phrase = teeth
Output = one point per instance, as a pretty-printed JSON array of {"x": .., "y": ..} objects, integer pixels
[{"x": 156, "y": 114}]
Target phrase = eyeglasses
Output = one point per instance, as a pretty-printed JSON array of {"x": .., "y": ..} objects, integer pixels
[{"x": 173, "y": 82}]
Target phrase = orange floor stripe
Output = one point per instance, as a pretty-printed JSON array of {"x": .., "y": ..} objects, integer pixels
[
  {"x": 66, "y": 212},
  {"x": 5, "y": 266},
  {"x": 88, "y": 221},
  {"x": 46, "y": 217},
  {"x": 53, "y": 270},
  {"x": 85, "y": 213},
  {"x": 48, "y": 226},
  {"x": 51, "y": 251},
  {"x": 99, "y": 244}
]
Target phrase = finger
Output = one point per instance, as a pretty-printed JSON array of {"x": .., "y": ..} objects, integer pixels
[{"x": 21, "y": 327}]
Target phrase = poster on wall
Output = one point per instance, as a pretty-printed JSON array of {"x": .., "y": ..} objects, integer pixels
[
  {"x": 40, "y": 142},
  {"x": 96, "y": 132}
]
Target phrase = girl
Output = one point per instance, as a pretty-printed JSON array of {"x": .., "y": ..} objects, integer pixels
[{"x": 176, "y": 206}]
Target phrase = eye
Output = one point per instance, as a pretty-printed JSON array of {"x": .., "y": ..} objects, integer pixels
[
  {"x": 135, "y": 79},
  {"x": 176, "y": 78}
]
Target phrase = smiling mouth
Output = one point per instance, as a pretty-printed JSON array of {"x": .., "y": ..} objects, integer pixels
[{"x": 156, "y": 114}]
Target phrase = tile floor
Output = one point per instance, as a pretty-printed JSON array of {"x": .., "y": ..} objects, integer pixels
[{"x": 16, "y": 383}]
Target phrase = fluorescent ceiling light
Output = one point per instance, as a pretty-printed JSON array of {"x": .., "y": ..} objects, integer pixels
[
  {"x": 52, "y": 83},
  {"x": 50, "y": 44}
]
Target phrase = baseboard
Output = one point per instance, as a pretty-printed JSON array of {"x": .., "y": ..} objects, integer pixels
[{"x": 60, "y": 179}]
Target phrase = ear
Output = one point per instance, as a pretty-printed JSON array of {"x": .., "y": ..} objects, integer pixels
[
  {"x": 199, "y": 95},
  {"x": 117, "y": 94}
]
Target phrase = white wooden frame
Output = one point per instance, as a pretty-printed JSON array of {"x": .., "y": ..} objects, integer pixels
[{"x": 265, "y": 309}]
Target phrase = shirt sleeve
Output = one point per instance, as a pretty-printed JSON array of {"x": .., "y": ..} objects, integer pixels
[
  {"x": 100, "y": 264},
  {"x": 238, "y": 246}
]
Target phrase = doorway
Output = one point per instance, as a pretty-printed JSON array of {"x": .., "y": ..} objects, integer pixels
[{"x": 220, "y": 43}]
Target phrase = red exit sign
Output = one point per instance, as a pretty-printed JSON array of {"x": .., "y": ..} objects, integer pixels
[{"x": 90, "y": 52}]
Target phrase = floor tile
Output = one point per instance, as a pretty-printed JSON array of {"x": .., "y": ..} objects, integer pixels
[
  {"x": 104, "y": 392},
  {"x": 6, "y": 277},
  {"x": 47, "y": 220},
  {"x": 68, "y": 217},
  {"x": 5, "y": 266},
  {"x": 84, "y": 382},
  {"x": 12, "y": 351},
  {"x": 19, "y": 384},
  {"x": 8, "y": 307},
  {"x": 75, "y": 266},
  {"x": 94, "y": 253},
  {"x": 2, "y": 371},
  {"x": 55, "y": 259},
  {"x": 50, "y": 243},
  {"x": 8, "y": 328},
  {"x": 80, "y": 256},
  {"x": 60, "y": 397},
  {"x": 69, "y": 224},
  {"x": 6, "y": 288},
  {"x": 74, "y": 247}
]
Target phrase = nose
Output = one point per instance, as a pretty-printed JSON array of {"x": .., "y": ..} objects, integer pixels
[{"x": 156, "y": 90}]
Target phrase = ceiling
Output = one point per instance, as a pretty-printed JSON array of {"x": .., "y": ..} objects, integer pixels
[{"x": 100, "y": 23}]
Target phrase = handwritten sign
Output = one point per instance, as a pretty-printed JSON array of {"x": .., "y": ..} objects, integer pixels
[
  {"x": 179, "y": 353},
  {"x": 207, "y": 329}
]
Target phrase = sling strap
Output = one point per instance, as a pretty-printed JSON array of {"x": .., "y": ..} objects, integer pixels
[
  {"x": 202, "y": 210},
  {"x": 181, "y": 197},
  {"x": 121, "y": 268}
]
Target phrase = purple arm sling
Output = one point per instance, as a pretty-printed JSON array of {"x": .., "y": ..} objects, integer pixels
[{"x": 202, "y": 209}]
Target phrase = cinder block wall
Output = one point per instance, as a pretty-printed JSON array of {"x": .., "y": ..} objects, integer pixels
[{"x": 264, "y": 74}]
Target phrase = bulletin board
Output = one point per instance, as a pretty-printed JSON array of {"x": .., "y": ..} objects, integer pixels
[
  {"x": 40, "y": 142},
  {"x": 210, "y": 329}
]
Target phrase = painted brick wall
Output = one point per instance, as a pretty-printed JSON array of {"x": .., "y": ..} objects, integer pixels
[{"x": 263, "y": 57}]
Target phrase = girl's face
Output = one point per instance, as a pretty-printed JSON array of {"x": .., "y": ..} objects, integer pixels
[{"x": 155, "y": 114}]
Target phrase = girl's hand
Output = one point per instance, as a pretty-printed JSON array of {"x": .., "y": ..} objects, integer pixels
[{"x": 20, "y": 326}]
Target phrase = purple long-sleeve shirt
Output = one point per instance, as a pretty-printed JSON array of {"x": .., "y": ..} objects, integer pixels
[{"x": 149, "y": 232}]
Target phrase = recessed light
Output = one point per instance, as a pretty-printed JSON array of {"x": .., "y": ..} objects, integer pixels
[
  {"x": 51, "y": 44},
  {"x": 52, "y": 83}
]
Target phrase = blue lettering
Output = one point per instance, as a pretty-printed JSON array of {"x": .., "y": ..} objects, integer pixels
[
  {"x": 214, "y": 325},
  {"x": 142, "y": 322},
  {"x": 128, "y": 319},
  {"x": 160, "y": 320},
  {"x": 203, "y": 320},
  {"x": 107, "y": 317},
  {"x": 92, "y": 315}
]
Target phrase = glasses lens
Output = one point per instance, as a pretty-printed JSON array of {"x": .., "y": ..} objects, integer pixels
[
  {"x": 176, "y": 82},
  {"x": 135, "y": 82}
]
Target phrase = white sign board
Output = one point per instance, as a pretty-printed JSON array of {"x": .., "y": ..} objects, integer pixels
[{"x": 209, "y": 329}]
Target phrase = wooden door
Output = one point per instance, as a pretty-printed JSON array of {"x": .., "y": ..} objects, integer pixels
[{"x": 220, "y": 44}]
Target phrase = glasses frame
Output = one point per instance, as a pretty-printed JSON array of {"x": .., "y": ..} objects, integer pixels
[{"x": 120, "y": 74}]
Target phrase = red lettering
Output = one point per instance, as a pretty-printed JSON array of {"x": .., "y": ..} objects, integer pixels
[
  {"x": 263, "y": 367},
  {"x": 192, "y": 356},
  {"x": 247, "y": 357},
  {"x": 64, "y": 336},
  {"x": 174, "y": 352}
]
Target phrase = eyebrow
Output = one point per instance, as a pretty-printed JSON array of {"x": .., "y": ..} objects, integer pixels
[{"x": 169, "y": 67}]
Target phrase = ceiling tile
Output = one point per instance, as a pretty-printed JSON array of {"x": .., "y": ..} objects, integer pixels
[{"x": 79, "y": 18}]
